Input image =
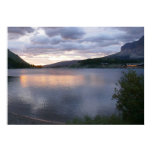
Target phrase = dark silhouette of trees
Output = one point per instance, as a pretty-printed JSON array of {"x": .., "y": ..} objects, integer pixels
[{"x": 130, "y": 97}]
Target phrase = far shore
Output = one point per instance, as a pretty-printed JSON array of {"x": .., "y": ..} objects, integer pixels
[{"x": 108, "y": 67}]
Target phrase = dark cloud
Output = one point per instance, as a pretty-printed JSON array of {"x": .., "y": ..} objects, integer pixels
[
  {"x": 72, "y": 33},
  {"x": 16, "y": 32},
  {"x": 121, "y": 35},
  {"x": 44, "y": 40},
  {"x": 130, "y": 33},
  {"x": 64, "y": 46},
  {"x": 40, "y": 39},
  {"x": 132, "y": 30},
  {"x": 66, "y": 32},
  {"x": 52, "y": 31},
  {"x": 20, "y": 30},
  {"x": 99, "y": 38}
]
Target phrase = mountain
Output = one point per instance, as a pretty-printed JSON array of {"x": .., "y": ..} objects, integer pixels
[
  {"x": 62, "y": 64},
  {"x": 133, "y": 50},
  {"x": 14, "y": 61},
  {"x": 130, "y": 53}
]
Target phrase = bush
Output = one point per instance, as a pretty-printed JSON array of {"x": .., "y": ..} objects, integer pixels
[
  {"x": 130, "y": 97},
  {"x": 113, "y": 120}
]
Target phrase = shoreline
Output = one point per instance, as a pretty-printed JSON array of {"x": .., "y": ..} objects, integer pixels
[{"x": 16, "y": 119}]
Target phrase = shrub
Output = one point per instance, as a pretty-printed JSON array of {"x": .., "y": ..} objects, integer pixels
[
  {"x": 130, "y": 97},
  {"x": 113, "y": 120}
]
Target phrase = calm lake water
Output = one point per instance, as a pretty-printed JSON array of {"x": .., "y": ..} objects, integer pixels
[{"x": 62, "y": 94}]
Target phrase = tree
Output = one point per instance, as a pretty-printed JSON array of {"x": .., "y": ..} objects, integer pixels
[{"x": 130, "y": 97}]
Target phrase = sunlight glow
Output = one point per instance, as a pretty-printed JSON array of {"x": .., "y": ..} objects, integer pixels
[
  {"x": 51, "y": 80},
  {"x": 43, "y": 59}
]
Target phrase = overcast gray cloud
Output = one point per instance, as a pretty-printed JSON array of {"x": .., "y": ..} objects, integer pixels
[
  {"x": 20, "y": 30},
  {"x": 40, "y": 39},
  {"x": 123, "y": 34},
  {"x": 65, "y": 32},
  {"x": 72, "y": 42},
  {"x": 16, "y": 32},
  {"x": 131, "y": 32}
]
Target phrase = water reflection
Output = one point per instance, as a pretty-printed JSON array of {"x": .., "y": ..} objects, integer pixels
[
  {"x": 51, "y": 80},
  {"x": 62, "y": 95}
]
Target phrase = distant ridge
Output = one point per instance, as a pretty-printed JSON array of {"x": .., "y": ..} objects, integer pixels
[
  {"x": 14, "y": 61},
  {"x": 62, "y": 64},
  {"x": 132, "y": 52}
]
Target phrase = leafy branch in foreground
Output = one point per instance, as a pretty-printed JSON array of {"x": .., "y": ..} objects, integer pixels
[{"x": 129, "y": 95}]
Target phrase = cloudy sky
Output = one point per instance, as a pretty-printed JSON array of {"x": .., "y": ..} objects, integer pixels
[{"x": 47, "y": 45}]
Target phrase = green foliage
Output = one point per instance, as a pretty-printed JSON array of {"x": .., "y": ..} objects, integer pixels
[
  {"x": 16, "y": 64},
  {"x": 14, "y": 61},
  {"x": 99, "y": 120},
  {"x": 97, "y": 62},
  {"x": 130, "y": 97}
]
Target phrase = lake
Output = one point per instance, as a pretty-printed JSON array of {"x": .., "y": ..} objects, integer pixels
[{"x": 62, "y": 94}]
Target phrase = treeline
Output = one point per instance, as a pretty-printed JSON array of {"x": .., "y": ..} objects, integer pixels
[
  {"x": 15, "y": 64},
  {"x": 106, "y": 60}
]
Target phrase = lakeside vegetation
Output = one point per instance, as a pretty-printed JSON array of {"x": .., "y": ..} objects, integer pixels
[
  {"x": 129, "y": 96},
  {"x": 105, "y": 120},
  {"x": 107, "y": 62},
  {"x": 16, "y": 62}
]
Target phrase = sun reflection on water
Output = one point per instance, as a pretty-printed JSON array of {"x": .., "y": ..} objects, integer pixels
[{"x": 51, "y": 80}]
